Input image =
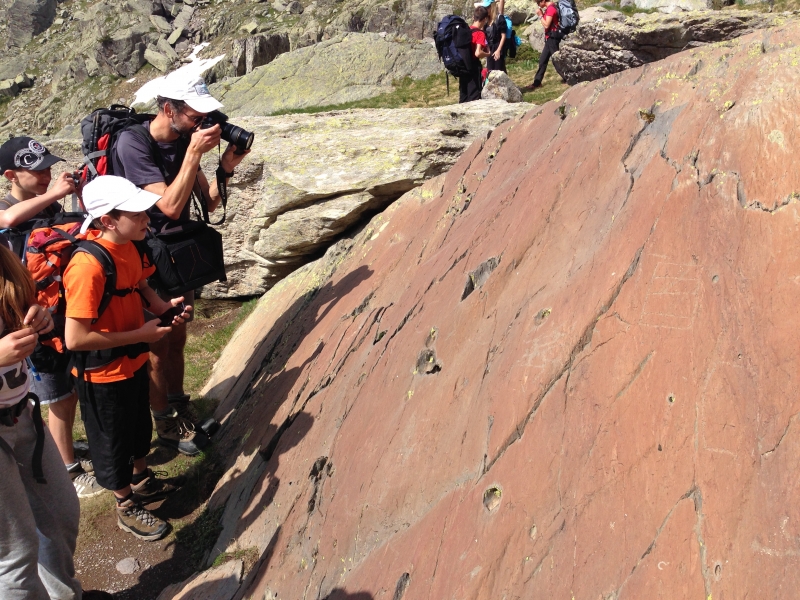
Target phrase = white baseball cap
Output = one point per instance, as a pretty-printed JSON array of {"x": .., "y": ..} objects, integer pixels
[
  {"x": 107, "y": 192},
  {"x": 192, "y": 90}
]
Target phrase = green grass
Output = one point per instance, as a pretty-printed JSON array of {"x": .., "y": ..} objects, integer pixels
[
  {"x": 411, "y": 93},
  {"x": 203, "y": 350}
]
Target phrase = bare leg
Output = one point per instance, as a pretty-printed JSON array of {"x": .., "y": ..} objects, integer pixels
[
  {"x": 166, "y": 367},
  {"x": 60, "y": 422}
]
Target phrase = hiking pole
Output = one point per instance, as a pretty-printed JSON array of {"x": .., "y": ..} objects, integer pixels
[{"x": 447, "y": 82}]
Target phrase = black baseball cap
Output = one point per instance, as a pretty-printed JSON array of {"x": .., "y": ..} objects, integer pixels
[{"x": 26, "y": 153}]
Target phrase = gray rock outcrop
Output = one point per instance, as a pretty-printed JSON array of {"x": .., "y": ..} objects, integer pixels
[
  {"x": 257, "y": 51},
  {"x": 311, "y": 178},
  {"x": 27, "y": 18},
  {"x": 608, "y": 42},
  {"x": 499, "y": 86},
  {"x": 347, "y": 68}
]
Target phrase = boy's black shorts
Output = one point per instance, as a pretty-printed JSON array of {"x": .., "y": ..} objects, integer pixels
[{"x": 118, "y": 426}]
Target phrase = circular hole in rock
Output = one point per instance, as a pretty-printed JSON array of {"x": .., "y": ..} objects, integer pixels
[
  {"x": 491, "y": 498},
  {"x": 671, "y": 398}
]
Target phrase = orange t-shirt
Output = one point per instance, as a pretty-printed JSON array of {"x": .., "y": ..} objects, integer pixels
[{"x": 84, "y": 282}]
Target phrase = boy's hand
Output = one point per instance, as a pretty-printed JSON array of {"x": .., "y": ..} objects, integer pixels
[
  {"x": 151, "y": 331},
  {"x": 17, "y": 346},
  {"x": 64, "y": 185},
  {"x": 496, "y": 54},
  {"x": 39, "y": 319}
]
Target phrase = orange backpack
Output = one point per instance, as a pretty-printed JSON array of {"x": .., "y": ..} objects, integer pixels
[{"x": 47, "y": 252}]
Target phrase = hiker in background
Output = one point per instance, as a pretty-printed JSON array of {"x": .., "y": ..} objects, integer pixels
[
  {"x": 548, "y": 15},
  {"x": 40, "y": 511},
  {"x": 176, "y": 133},
  {"x": 470, "y": 86},
  {"x": 497, "y": 35},
  {"x": 114, "y": 388},
  {"x": 27, "y": 165}
]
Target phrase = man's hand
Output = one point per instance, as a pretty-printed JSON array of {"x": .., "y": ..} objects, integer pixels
[
  {"x": 497, "y": 53},
  {"x": 39, "y": 319},
  {"x": 539, "y": 12},
  {"x": 151, "y": 332},
  {"x": 63, "y": 186},
  {"x": 204, "y": 140},
  {"x": 17, "y": 346},
  {"x": 230, "y": 160}
]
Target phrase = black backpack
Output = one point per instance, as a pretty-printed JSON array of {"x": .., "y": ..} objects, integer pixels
[
  {"x": 101, "y": 130},
  {"x": 453, "y": 33}
]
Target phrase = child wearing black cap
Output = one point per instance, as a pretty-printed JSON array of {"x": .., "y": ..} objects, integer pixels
[{"x": 27, "y": 164}]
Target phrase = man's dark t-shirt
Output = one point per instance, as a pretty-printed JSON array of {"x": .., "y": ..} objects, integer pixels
[{"x": 132, "y": 158}]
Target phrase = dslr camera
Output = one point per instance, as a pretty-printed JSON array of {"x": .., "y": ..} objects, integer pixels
[{"x": 232, "y": 134}]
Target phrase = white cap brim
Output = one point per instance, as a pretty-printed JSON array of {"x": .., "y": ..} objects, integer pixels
[
  {"x": 206, "y": 104},
  {"x": 141, "y": 200}
]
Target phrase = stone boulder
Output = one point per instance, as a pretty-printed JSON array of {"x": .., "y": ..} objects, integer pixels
[
  {"x": 566, "y": 368},
  {"x": 499, "y": 86},
  {"x": 27, "y": 18},
  {"x": 347, "y": 68},
  {"x": 9, "y": 88},
  {"x": 671, "y": 6},
  {"x": 257, "y": 51},
  {"x": 122, "y": 53},
  {"x": 311, "y": 178},
  {"x": 609, "y": 43}
]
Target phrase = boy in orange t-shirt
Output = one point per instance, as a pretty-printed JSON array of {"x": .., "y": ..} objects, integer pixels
[{"x": 114, "y": 387}]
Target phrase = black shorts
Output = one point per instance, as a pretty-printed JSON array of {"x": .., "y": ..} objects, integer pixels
[{"x": 118, "y": 426}]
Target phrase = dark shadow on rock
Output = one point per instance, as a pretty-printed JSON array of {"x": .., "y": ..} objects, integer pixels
[{"x": 253, "y": 415}]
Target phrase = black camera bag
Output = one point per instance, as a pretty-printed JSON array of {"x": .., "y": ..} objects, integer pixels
[{"x": 186, "y": 257}]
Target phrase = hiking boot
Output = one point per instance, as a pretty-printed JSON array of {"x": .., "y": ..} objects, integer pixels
[
  {"x": 136, "y": 519},
  {"x": 176, "y": 432},
  {"x": 184, "y": 408},
  {"x": 96, "y": 595},
  {"x": 151, "y": 488},
  {"x": 85, "y": 484}
]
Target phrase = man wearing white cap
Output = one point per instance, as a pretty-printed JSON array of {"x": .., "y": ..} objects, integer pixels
[
  {"x": 113, "y": 387},
  {"x": 173, "y": 173}
]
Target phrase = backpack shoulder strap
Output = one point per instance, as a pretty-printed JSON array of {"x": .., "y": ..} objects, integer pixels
[{"x": 106, "y": 261}]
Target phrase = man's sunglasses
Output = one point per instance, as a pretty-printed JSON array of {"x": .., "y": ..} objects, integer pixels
[{"x": 196, "y": 120}]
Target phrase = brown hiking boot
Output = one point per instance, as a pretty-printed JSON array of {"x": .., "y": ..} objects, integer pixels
[
  {"x": 151, "y": 488},
  {"x": 186, "y": 409},
  {"x": 134, "y": 518},
  {"x": 176, "y": 432}
]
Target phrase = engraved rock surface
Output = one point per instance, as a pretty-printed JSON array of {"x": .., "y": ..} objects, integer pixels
[{"x": 567, "y": 367}]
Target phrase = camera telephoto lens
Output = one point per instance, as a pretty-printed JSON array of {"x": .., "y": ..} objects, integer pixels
[{"x": 237, "y": 136}]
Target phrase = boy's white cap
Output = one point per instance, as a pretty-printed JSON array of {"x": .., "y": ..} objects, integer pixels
[
  {"x": 192, "y": 90},
  {"x": 107, "y": 192}
]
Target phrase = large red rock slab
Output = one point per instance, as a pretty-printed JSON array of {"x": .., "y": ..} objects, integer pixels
[{"x": 566, "y": 369}]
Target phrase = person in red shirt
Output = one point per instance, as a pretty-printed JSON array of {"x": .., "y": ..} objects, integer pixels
[
  {"x": 470, "y": 86},
  {"x": 548, "y": 14}
]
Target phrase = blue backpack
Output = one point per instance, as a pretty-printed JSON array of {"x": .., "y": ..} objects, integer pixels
[
  {"x": 453, "y": 33},
  {"x": 512, "y": 41}
]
